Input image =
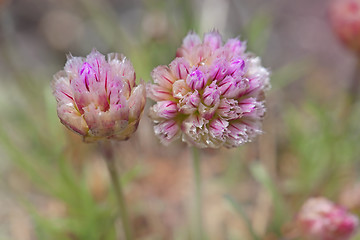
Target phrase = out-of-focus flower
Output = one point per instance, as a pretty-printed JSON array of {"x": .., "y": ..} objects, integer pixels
[
  {"x": 345, "y": 19},
  {"x": 211, "y": 94},
  {"x": 320, "y": 219},
  {"x": 98, "y": 98}
]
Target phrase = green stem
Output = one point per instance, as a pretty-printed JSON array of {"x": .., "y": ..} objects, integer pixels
[
  {"x": 115, "y": 179},
  {"x": 198, "y": 194},
  {"x": 354, "y": 87},
  {"x": 352, "y": 95}
]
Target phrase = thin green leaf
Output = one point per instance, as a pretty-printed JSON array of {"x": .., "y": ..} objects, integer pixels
[{"x": 239, "y": 209}]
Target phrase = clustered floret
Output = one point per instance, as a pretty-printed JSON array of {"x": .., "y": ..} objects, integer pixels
[{"x": 211, "y": 94}]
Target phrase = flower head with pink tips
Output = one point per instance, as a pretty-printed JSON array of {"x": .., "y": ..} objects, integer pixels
[
  {"x": 98, "y": 97},
  {"x": 211, "y": 95}
]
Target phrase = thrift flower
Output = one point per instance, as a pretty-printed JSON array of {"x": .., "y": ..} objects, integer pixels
[
  {"x": 345, "y": 20},
  {"x": 320, "y": 219},
  {"x": 98, "y": 98},
  {"x": 211, "y": 94}
]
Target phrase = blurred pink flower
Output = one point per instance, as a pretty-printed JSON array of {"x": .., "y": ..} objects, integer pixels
[
  {"x": 98, "y": 98},
  {"x": 345, "y": 19},
  {"x": 320, "y": 219},
  {"x": 212, "y": 94}
]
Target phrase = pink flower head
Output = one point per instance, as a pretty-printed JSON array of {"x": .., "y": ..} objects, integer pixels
[
  {"x": 212, "y": 94},
  {"x": 345, "y": 20},
  {"x": 98, "y": 98},
  {"x": 320, "y": 219}
]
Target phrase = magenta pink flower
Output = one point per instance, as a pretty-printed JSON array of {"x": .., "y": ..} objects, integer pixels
[
  {"x": 320, "y": 219},
  {"x": 345, "y": 19},
  {"x": 98, "y": 98},
  {"x": 212, "y": 94}
]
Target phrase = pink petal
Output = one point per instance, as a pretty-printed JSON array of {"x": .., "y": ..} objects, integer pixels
[
  {"x": 196, "y": 80},
  {"x": 211, "y": 95},
  {"x": 231, "y": 87},
  {"x": 235, "y": 46},
  {"x": 167, "y": 131},
  {"x": 164, "y": 109},
  {"x": 191, "y": 40},
  {"x": 180, "y": 68},
  {"x": 163, "y": 77},
  {"x": 158, "y": 93},
  {"x": 213, "y": 39},
  {"x": 72, "y": 119},
  {"x": 180, "y": 89},
  {"x": 137, "y": 101},
  {"x": 218, "y": 129},
  {"x": 189, "y": 103}
]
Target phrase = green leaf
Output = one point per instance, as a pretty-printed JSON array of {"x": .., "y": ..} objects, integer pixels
[
  {"x": 239, "y": 209},
  {"x": 261, "y": 175}
]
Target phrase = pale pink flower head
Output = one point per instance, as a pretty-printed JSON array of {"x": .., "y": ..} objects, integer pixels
[
  {"x": 98, "y": 98},
  {"x": 345, "y": 20},
  {"x": 211, "y": 95},
  {"x": 320, "y": 219}
]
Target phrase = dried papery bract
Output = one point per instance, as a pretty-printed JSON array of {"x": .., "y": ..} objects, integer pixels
[
  {"x": 98, "y": 97},
  {"x": 211, "y": 95},
  {"x": 321, "y": 219},
  {"x": 345, "y": 20}
]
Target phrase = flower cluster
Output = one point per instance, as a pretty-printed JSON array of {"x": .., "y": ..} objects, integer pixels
[
  {"x": 98, "y": 98},
  {"x": 212, "y": 94},
  {"x": 345, "y": 19},
  {"x": 320, "y": 219}
]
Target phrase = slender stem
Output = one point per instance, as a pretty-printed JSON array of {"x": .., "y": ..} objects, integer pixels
[
  {"x": 353, "y": 93},
  {"x": 115, "y": 179},
  {"x": 354, "y": 87},
  {"x": 198, "y": 194}
]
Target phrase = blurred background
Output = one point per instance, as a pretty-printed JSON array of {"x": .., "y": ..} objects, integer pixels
[{"x": 53, "y": 186}]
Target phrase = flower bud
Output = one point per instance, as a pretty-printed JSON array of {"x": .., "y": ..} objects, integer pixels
[
  {"x": 237, "y": 132},
  {"x": 196, "y": 80},
  {"x": 231, "y": 87},
  {"x": 211, "y": 95},
  {"x": 189, "y": 103},
  {"x": 219, "y": 70},
  {"x": 251, "y": 108},
  {"x": 180, "y": 67},
  {"x": 345, "y": 20},
  {"x": 235, "y": 46},
  {"x": 163, "y": 76},
  {"x": 236, "y": 67},
  {"x": 180, "y": 89},
  {"x": 229, "y": 109},
  {"x": 320, "y": 219},
  {"x": 218, "y": 128},
  {"x": 257, "y": 77},
  {"x": 213, "y": 40},
  {"x": 207, "y": 112},
  {"x": 191, "y": 40},
  {"x": 167, "y": 131},
  {"x": 98, "y": 98},
  {"x": 164, "y": 109}
]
